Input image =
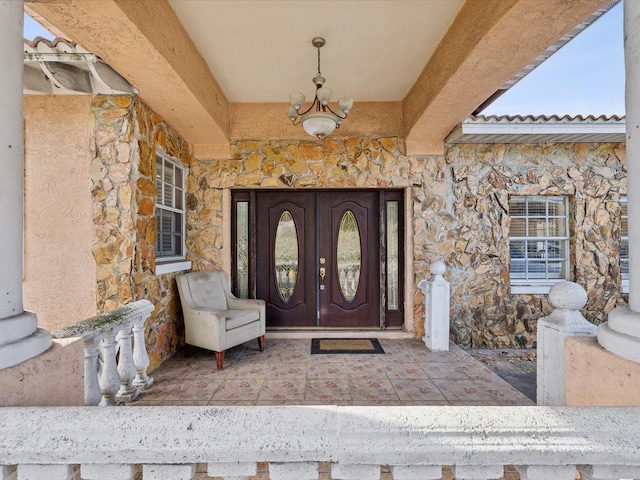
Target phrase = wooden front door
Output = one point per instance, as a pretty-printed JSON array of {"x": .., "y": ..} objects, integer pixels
[
  {"x": 318, "y": 258},
  {"x": 349, "y": 289}
]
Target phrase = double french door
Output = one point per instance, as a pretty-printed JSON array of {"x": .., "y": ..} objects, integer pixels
[{"x": 321, "y": 258}]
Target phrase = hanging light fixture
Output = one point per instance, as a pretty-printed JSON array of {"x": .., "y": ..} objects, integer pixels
[{"x": 318, "y": 120}]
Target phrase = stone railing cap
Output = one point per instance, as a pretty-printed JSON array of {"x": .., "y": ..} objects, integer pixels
[{"x": 103, "y": 322}]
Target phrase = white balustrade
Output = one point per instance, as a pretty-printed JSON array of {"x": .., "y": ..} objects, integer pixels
[
  {"x": 437, "y": 294},
  {"x": 412, "y": 443},
  {"x": 115, "y": 366}
]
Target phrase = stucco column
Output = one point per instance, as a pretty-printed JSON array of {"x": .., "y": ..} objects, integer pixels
[
  {"x": 632, "y": 106},
  {"x": 621, "y": 334},
  {"x": 20, "y": 338}
]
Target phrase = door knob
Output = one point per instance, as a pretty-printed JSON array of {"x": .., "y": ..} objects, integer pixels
[{"x": 323, "y": 273}]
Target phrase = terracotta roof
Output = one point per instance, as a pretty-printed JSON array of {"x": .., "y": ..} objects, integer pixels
[
  {"x": 545, "y": 119},
  {"x": 539, "y": 129},
  {"x": 49, "y": 43},
  {"x": 68, "y": 68}
]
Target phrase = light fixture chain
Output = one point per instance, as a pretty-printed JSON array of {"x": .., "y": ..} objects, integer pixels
[{"x": 319, "y": 74}]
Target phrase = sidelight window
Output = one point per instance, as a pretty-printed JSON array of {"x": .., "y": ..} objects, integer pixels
[{"x": 393, "y": 274}]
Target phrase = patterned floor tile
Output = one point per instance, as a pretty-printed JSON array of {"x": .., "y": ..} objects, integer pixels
[
  {"x": 451, "y": 371},
  {"x": 410, "y": 390},
  {"x": 327, "y": 389},
  {"x": 374, "y": 389},
  {"x": 238, "y": 390},
  {"x": 462, "y": 390},
  {"x": 365, "y": 371},
  {"x": 246, "y": 369},
  {"x": 324, "y": 370},
  {"x": 231, "y": 403},
  {"x": 183, "y": 403},
  {"x": 404, "y": 370},
  {"x": 286, "y": 373},
  {"x": 283, "y": 388},
  {"x": 288, "y": 369},
  {"x": 197, "y": 388}
]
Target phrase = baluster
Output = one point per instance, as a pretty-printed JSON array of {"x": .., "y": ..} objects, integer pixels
[
  {"x": 7, "y": 473},
  {"x": 416, "y": 472},
  {"x": 608, "y": 472},
  {"x": 293, "y": 471},
  {"x": 45, "y": 472},
  {"x": 140, "y": 356},
  {"x": 109, "y": 471},
  {"x": 545, "y": 472},
  {"x": 355, "y": 472},
  {"x": 477, "y": 472},
  {"x": 92, "y": 393},
  {"x": 232, "y": 470},
  {"x": 110, "y": 378},
  {"x": 165, "y": 472},
  {"x": 126, "y": 368}
]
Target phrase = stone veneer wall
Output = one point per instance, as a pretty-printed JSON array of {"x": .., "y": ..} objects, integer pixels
[
  {"x": 460, "y": 205},
  {"x": 123, "y": 147},
  {"x": 472, "y": 228}
]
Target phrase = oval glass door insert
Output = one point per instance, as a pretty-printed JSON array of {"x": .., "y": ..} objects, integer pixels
[
  {"x": 286, "y": 256},
  {"x": 349, "y": 256}
]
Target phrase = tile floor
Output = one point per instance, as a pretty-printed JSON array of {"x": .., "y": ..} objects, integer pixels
[{"x": 287, "y": 373}]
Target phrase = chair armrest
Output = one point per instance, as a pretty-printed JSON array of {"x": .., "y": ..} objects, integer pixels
[{"x": 244, "y": 303}]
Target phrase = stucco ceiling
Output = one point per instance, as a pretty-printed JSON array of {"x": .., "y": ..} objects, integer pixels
[{"x": 261, "y": 51}]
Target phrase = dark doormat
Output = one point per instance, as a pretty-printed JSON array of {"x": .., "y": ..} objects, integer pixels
[{"x": 345, "y": 345}]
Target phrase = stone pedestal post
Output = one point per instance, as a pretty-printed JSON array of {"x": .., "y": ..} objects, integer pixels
[
  {"x": 20, "y": 338},
  {"x": 565, "y": 321},
  {"x": 621, "y": 334},
  {"x": 437, "y": 295}
]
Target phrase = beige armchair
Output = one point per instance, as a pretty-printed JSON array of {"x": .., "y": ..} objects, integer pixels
[{"x": 214, "y": 318}]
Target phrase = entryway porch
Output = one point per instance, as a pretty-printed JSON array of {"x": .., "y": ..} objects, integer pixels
[{"x": 286, "y": 373}]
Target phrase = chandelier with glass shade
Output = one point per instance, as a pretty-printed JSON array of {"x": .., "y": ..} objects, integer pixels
[{"x": 319, "y": 120}]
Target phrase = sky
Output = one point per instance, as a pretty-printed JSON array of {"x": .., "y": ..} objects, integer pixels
[{"x": 585, "y": 77}]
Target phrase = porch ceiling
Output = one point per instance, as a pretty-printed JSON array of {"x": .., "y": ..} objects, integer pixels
[{"x": 221, "y": 70}]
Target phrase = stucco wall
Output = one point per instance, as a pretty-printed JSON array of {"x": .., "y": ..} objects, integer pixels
[
  {"x": 459, "y": 204},
  {"x": 54, "y": 378},
  {"x": 59, "y": 271},
  {"x": 596, "y": 377}
]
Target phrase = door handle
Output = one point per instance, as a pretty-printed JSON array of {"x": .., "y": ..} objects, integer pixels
[{"x": 323, "y": 273}]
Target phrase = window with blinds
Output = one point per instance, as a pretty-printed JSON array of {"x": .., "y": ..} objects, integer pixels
[
  {"x": 170, "y": 207},
  {"x": 538, "y": 240}
]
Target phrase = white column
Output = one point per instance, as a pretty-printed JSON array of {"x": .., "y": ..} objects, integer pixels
[
  {"x": 20, "y": 338},
  {"x": 621, "y": 334},
  {"x": 632, "y": 107}
]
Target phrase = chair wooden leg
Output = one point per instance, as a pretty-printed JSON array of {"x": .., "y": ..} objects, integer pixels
[
  {"x": 219, "y": 360},
  {"x": 261, "y": 343}
]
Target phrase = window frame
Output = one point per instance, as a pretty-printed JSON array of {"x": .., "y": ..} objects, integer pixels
[
  {"x": 170, "y": 263},
  {"x": 543, "y": 285}
]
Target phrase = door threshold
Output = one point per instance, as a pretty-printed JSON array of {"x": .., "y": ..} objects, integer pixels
[{"x": 341, "y": 333}]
